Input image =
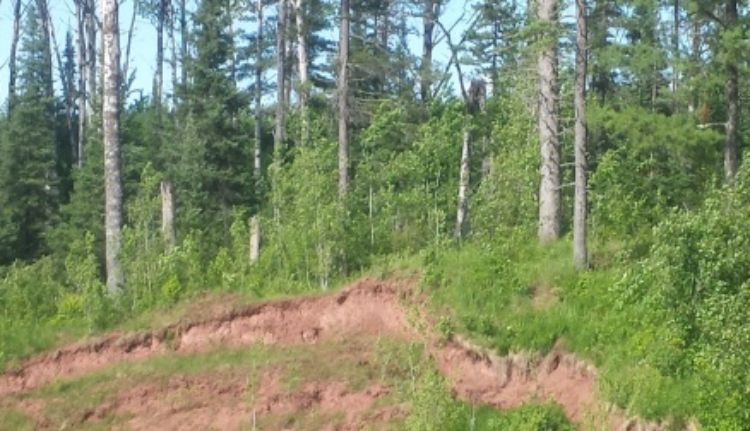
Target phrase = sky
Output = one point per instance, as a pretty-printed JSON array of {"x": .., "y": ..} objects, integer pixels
[{"x": 143, "y": 51}]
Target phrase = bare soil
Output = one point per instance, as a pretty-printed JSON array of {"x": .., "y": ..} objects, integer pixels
[{"x": 369, "y": 308}]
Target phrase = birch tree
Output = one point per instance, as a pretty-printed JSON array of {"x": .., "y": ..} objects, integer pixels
[{"x": 111, "y": 132}]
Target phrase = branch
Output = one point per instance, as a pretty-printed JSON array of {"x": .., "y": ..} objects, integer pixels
[
  {"x": 130, "y": 39},
  {"x": 454, "y": 58}
]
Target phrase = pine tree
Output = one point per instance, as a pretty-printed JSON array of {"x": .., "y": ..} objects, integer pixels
[
  {"x": 28, "y": 179},
  {"x": 214, "y": 105}
]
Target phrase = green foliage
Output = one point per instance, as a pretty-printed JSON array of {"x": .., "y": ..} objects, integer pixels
[
  {"x": 506, "y": 199},
  {"x": 695, "y": 282},
  {"x": 650, "y": 164},
  {"x": 28, "y": 183}
]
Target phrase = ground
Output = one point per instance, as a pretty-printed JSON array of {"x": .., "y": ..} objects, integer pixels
[{"x": 346, "y": 360}]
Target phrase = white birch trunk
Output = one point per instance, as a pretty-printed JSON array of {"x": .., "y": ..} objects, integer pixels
[
  {"x": 111, "y": 132},
  {"x": 462, "y": 215}
]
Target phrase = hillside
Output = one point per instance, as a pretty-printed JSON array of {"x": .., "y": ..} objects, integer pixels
[{"x": 368, "y": 356}]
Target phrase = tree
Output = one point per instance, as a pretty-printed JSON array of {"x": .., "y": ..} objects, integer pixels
[
  {"x": 255, "y": 228},
  {"x": 215, "y": 106},
  {"x": 732, "y": 92},
  {"x": 302, "y": 60},
  {"x": 111, "y": 133},
  {"x": 13, "y": 49},
  {"x": 549, "y": 114},
  {"x": 580, "y": 252},
  {"x": 343, "y": 99},
  {"x": 28, "y": 179},
  {"x": 280, "y": 133},
  {"x": 428, "y": 21}
]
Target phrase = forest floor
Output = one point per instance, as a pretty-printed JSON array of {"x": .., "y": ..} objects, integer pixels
[{"x": 335, "y": 361}]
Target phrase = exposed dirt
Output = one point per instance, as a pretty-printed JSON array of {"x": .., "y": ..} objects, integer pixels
[{"x": 369, "y": 308}]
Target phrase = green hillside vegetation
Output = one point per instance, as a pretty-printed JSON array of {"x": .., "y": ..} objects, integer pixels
[{"x": 660, "y": 307}]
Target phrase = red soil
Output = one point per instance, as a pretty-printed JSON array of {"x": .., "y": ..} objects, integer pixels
[{"x": 370, "y": 308}]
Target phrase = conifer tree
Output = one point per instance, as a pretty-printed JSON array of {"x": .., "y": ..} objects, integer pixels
[
  {"x": 214, "y": 103},
  {"x": 28, "y": 179}
]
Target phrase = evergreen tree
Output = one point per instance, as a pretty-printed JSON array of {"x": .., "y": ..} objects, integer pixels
[
  {"x": 216, "y": 108},
  {"x": 28, "y": 178}
]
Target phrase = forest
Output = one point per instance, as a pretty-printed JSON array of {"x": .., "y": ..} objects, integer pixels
[{"x": 588, "y": 151}]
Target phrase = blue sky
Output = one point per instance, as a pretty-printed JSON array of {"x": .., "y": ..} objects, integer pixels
[{"x": 143, "y": 51}]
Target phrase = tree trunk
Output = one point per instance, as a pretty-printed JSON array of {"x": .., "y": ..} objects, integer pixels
[
  {"x": 695, "y": 55},
  {"x": 12, "y": 63},
  {"x": 82, "y": 99},
  {"x": 90, "y": 21},
  {"x": 428, "y": 19},
  {"x": 580, "y": 250},
  {"x": 254, "y": 239},
  {"x": 731, "y": 147},
  {"x": 462, "y": 215},
  {"x": 304, "y": 90},
  {"x": 255, "y": 228},
  {"x": 676, "y": 52},
  {"x": 383, "y": 30},
  {"x": 343, "y": 96},
  {"x": 159, "y": 76},
  {"x": 173, "y": 59},
  {"x": 183, "y": 42},
  {"x": 43, "y": 10},
  {"x": 279, "y": 135},
  {"x": 167, "y": 214},
  {"x": 549, "y": 190},
  {"x": 111, "y": 131},
  {"x": 67, "y": 90}
]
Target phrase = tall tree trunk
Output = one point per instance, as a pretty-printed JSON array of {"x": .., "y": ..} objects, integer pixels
[
  {"x": 279, "y": 135},
  {"x": 383, "y": 35},
  {"x": 580, "y": 249},
  {"x": 462, "y": 213},
  {"x": 428, "y": 19},
  {"x": 82, "y": 99},
  {"x": 675, "y": 52},
  {"x": 44, "y": 17},
  {"x": 91, "y": 54},
  {"x": 111, "y": 132},
  {"x": 159, "y": 76},
  {"x": 304, "y": 86},
  {"x": 173, "y": 58},
  {"x": 695, "y": 55},
  {"x": 343, "y": 96},
  {"x": 167, "y": 214},
  {"x": 12, "y": 63},
  {"x": 183, "y": 42},
  {"x": 255, "y": 228},
  {"x": 549, "y": 111},
  {"x": 90, "y": 21},
  {"x": 731, "y": 143}
]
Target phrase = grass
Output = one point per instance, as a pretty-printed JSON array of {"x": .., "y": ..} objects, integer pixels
[
  {"x": 490, "y": 294},
  {"x": 412, "y": 381}
]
